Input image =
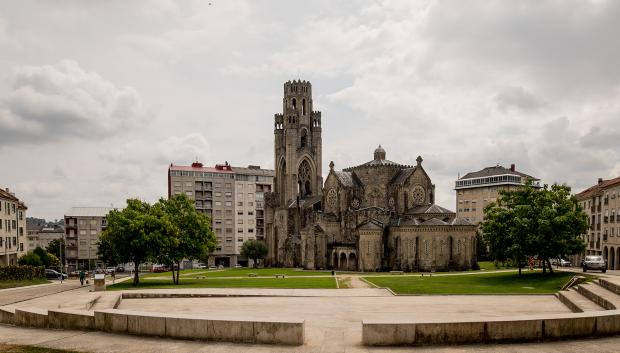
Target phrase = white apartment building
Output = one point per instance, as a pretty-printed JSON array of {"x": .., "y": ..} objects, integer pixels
[
  {"x": 83, "y": 226},
  {"x": 12, "y": 228},
  {"x": 232, "y": 197}
]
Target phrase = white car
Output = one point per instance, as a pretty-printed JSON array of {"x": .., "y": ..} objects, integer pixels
[{"x": 110, "y": 270}]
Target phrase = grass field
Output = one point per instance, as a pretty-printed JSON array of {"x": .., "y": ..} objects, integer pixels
[
  {"x": 488, "y": 283},
  {"x": 223, "y": 282},
  {"x": 241, "y": 272},
  {"x": 490, "y": 266},
  {"x": 22, "y": 283},
  {"x": 5, "y": 348}
]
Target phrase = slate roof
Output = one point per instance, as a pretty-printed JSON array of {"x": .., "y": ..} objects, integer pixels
[
  {"x": 429, "y": 209},
  {"x": 492, "y": 171},
  {"x": 370, "y": 225},
  {"x": 347, "y": 179},
  {"x": 434, "y": 222},
  {"x": 461, "y": 222},
  {"x": 306, "y": 202},
  {"x": 403, "y": 175}
]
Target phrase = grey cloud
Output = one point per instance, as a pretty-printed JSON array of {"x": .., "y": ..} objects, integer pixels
[
  {"x": 602, "y": 138},
  {"x": 518, "y": 99},
  {"x": 52, "y": 102}
]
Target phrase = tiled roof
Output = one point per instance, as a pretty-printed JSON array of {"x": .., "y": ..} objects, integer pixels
[
  {"x": 592, "y": 190},
  {"x": 492, "y": 171},
  {"x": 198, "y": 169},
  {"x": 89, "y": 211},
  {"x": 6, "y": 195},
  {"x": 254, "y": 171}
]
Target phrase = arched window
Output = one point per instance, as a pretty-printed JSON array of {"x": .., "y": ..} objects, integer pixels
[
  {"x": 304, "y": 178},
  {"x": 294, "y": 104},
  {"x": 304, "y": 138},
  {"x": 303, "y": 107}
]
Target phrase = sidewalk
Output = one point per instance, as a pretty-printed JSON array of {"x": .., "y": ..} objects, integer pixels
[{"x": 20, "y": 294}]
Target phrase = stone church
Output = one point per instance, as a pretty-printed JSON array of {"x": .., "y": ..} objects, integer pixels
[{"x": 376, "y": 216}]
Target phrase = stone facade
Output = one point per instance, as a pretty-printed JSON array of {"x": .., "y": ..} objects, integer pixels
[
  {"x": 376, "y": 216},
  {"x": 601, "y": 202}
]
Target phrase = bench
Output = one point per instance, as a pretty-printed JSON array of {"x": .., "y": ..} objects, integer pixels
[
  {"x": 279, "y": 275},
  {"x": 397, "y": 272}
]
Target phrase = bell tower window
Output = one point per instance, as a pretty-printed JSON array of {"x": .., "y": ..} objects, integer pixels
[
  {"x": 294, "y": 104},
  {"x": 304, "y": 138},
  {"x": 303, "y": 107}
]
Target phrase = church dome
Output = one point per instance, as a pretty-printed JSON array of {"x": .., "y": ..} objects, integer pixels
[{"x": 379, "y": 153}]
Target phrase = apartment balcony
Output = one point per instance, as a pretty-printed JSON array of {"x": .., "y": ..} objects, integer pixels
[
  {"x": 591, "y": 246},
  {"x": 612, "y": 219},
  {"x": 604, "y": 237},
  {"x": 260, "y": 223},
  {"x": 598, "y": 208},
  {"x": 605, "y": 219},
  {"x": 598, "y": 226},
  {"x": 598, "y": 245},
  {"x": 606, "y": 201},
  {"x": 618, "y": 218},
  {"x": 260, "y": 238}
]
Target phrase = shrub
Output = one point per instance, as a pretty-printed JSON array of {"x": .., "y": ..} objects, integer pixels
[
  {"x": 30, "y": 259},
  {"x": 18, "y": 273}
]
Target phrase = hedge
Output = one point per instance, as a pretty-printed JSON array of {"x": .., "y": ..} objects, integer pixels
[{"x": 18, "y": 273}]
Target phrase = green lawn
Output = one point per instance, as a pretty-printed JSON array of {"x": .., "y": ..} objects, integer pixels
[
  {"x": 223, "y": 282},
  {"x": 242, "y": 272},
  {"x": 490, "y": 266},
  {"x": 488, "y": 283},
  {"x": 22, "y": 283},
  {"x": 30, "y": 349}
]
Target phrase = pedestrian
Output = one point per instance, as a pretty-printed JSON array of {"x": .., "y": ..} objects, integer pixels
[
  {"x": 113, "y": 276},
  {"x": 82, "y": 276}
]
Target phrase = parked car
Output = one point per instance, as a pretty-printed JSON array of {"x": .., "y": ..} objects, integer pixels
[
  {"x": 202, "y": 266},
  {"x": 120, "y": 269},
  {"x": 110, "y": 270},
  {"x": 594, "y": 263},
  {"x": 212, "y": 268},
  {"x": 564, "y": 263},
  {"x": 53, "y": 274},
  {"x": 238, "y": 266}
]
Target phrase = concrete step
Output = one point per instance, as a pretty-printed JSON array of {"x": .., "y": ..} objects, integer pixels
[
  {"x": 576, "y": 302},
  {"x": 610, "y": 284},
  {"x": 600, "y": 295}
]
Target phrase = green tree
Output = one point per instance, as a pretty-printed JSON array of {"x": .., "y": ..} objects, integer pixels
[
  {"x": 192, "y": 237},
  {"x": 134, "y": 234},
  {"x": 30, "y": 259},
  {"x": 106, "y": 251},
  {"x": 57, "y": 247},
  {"x": 254, "y": 249},
  {"x": 531, "y": 222}
]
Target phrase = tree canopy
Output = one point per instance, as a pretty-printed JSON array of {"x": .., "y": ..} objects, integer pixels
[
  {"x": 167, "y": 231},
  {"x": 254, "y": 249},
  {"x": 526, "y": 221},
  {"x": 192, "y": 237},
  {"x": 57, "y": 247}
]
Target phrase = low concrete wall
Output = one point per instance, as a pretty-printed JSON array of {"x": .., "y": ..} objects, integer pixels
[
  {"x": 71, "y": 319},
  {"x": 7, "y": 316},
  {"x": 31, "y": 317},
  {"x": 383, "y": 333},
  {"x": 196, "y": 327}
]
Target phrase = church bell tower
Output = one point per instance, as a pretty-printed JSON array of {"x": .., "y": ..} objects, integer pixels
[{"x": 298, "y": 146}]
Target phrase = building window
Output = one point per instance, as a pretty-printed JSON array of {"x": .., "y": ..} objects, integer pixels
[
  {"x": 228, "y": 203},
  {"x": 251, "y": 230},
  {"x": 239, "y": 230},
  {"x": 228, "y": 194},
  {"x": 240, "y": 204}
]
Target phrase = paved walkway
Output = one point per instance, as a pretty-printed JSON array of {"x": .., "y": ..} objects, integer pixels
[
  {"x": 20, "y": 294},
  {"x": 100, "y": 342}
]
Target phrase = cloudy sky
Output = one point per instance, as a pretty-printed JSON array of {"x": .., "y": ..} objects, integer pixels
[{"x": 97, "y": 98}]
